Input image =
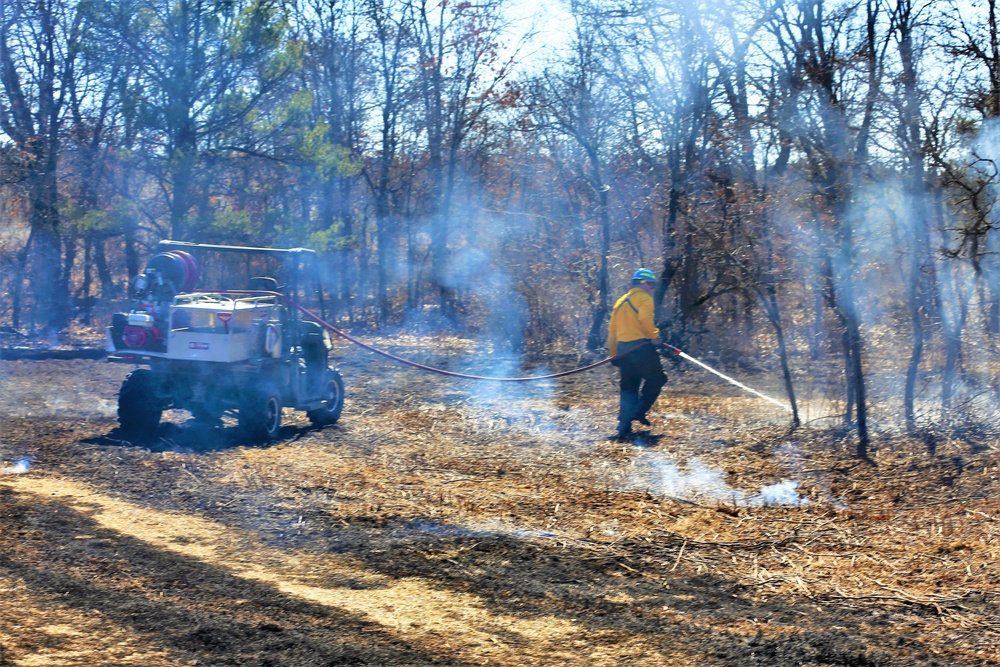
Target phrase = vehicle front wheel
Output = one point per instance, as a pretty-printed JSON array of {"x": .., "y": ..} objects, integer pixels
[
  {"x": 139, "y": 408},
  {"x": 333, "y": 400},
  {"x": 260, "y": 413}
]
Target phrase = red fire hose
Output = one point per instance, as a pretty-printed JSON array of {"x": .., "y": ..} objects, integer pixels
[
  {"x": 662, "y": 346},
  {"x": 423, "y": 367},
  {"x": 465, "y": 376}
]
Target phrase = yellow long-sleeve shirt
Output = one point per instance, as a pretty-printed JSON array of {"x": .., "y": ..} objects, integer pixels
[{"x": 631, "y": 319}]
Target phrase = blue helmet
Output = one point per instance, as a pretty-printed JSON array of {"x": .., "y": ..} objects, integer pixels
[{"x": 643, "y": 276}]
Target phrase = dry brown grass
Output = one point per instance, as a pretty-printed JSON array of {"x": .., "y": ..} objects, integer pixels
[{"x": 447, "y": 523}]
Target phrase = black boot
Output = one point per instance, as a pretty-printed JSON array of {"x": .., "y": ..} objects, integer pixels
[
  {"x": 646, "y": 401},
  {"x": 624, "y": 432},
  {"x": 628, "y": 407}
]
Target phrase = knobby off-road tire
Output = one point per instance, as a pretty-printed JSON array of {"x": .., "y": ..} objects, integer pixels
[
  {"x": 139, "y": 408},
  {"x": 333, "y": 400},
  {"x": 260, "y": 413}
]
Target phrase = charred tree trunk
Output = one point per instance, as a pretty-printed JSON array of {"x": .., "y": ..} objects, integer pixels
[
  {"x": 857, "y": 372},
  {"x": 952, "y": 346},
  {"x": 769, "y": 297},
  {"x": 88, "y": 273},
  {"x": 773, "y": 311},
  {"x": 51, "y": 300},
  {"x": 910, "y": 135},
  {"x": 595, "y": 339},
  {"x": 17, "y": 283},
  {"x": 108, "y": 290},
  {"x": 33, "y": 124},
  {"x": 131, "y": 251},
  {"x": 382, "y": 239},
  {"x": 832, "y": 299},
  {"x": 66, "y": 275},
  {"x": 913, "y": 366},
  {"x": 182, "y": 181},
  {"x": 668, "y": 243},
  {"x": 951, "y": 305},
  {"x": 345, "y": 249},
  {"x": 953, "y": 313},
  {"x": 431, "y": 41}
]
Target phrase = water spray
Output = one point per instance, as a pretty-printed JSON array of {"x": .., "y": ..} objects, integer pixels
[{"x": 684, "y": 355}]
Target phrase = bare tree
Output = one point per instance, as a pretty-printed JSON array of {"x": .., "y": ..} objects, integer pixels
[
  {"x": 906, "y": 21},
  {"x": 578, "y": 101},
  {"x": 94, "y": 137},
  {"x": 968, "y": 172},
  {"x": 669, "y": 82},
  {"x": 334, "y": 70},
  {"x": 392, "y": 38},
  {"x": 459, "y": 70},
  {"x": 37, "y": 50},
  {"x": 758, "y": 140},
  {"x": 833, "y": 132}
]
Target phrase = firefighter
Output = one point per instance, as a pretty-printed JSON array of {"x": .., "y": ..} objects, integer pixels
[{"x": 632, "y": 333}]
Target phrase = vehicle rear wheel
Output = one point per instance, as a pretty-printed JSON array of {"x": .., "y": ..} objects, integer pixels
[
  {"x": 139, "y": 408},
  {"x": 333, "y": 400},
  {"x": 260, "y": 413}
]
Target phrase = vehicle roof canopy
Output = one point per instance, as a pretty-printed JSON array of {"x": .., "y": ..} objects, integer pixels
[{"x": 228, "y": 267}]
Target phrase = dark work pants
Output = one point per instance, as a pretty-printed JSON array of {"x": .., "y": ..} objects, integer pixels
[{"x": 642, "y": 378}]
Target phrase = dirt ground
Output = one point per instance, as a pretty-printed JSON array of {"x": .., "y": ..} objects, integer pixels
[{"x": 445, "y": 522}]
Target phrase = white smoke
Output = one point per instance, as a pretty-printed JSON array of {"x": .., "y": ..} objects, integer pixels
[
  {"x": 18, "y": 466},
  {"x": 696, "y": 481},
  {"x": 782, "y": 493}
]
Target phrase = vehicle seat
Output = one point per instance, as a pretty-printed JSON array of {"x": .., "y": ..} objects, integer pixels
[
  {"x": 312, "y": 334},
  {"x": 263, "y": 284},
  {"x": 314, "y": 353}
]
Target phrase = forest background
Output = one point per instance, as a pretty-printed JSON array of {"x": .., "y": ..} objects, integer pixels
[{"x": 814, "y": 181}]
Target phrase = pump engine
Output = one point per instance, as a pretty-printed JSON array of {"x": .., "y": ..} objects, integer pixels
[{"x": 144, "y": 327}]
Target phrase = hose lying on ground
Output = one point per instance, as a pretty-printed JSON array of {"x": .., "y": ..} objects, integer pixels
[
  {"x": 423, "y": 367},
  {"x": 532, "y": 378}
]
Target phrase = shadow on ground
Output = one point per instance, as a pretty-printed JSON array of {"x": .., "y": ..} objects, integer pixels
[{"x": 192, "y": 609}]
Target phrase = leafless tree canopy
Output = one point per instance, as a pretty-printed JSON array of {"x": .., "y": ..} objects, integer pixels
[{"x": 814, "y": 181}]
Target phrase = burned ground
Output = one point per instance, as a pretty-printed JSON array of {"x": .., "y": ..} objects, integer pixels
[{"x": 445, "y": 522}]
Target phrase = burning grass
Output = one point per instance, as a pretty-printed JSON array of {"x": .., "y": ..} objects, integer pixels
[{"x": 440, "y": 525}]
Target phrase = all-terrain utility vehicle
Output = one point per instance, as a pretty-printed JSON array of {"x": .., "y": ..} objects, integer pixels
[{"x": 219, "y": 329}]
